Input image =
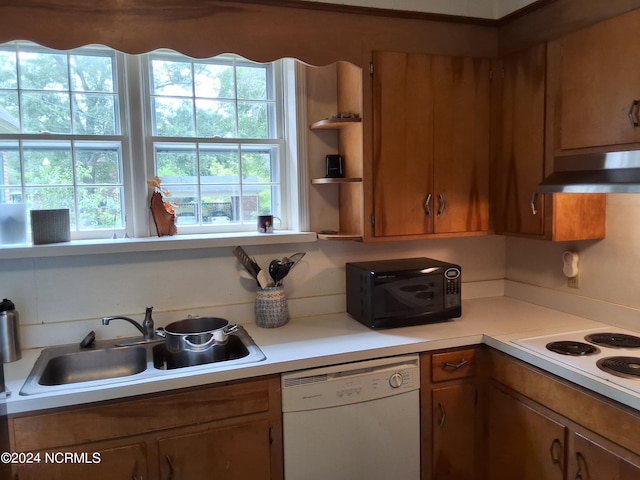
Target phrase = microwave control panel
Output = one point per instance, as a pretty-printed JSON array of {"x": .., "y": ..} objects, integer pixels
[{"x": 452, "y": 290}]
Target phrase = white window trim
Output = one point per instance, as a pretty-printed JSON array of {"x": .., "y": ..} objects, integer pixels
[{"x": 139, "y": 233}]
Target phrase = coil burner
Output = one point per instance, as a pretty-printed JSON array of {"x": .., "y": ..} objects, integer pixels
[
  {"x": 614, "y": 340},
  {"x": 626, "y": 367},
  {"x": 567, "y": 347}
]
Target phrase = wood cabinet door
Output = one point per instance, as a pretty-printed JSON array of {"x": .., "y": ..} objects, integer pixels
[
  {"x": 592, "y": 461},
  {"x": 403, "y": 144},
  {"x": 123, "y": 462},
  {"x": 600, "y": 80},
  {"x": 523, "y": 442},
  {"x": 521, "y": 159},
  {"x": 235, "y": 452},
  {"x": 461, "y": 122},
  {"x": 454, "y": 418}
]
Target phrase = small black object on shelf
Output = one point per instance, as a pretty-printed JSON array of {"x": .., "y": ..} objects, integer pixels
[{"x": 335, "y": 167}]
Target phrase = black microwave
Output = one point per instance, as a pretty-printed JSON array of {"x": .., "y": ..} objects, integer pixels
[{"x": 403, "y": 292}]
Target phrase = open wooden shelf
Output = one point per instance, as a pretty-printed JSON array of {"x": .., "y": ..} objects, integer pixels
[
  {"x": 333, "y": 123},
  {"x": 324, "y": 181},
  {"x": 339, "y": 236}
]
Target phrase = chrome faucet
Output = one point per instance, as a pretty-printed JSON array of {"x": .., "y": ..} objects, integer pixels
[{"x": 146, "y": 328}]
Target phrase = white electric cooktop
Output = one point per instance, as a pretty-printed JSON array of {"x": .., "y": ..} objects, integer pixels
[{"x": 610, "y": 354}]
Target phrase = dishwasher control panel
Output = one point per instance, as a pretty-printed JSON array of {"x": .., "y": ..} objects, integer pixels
[{"x": 350, "y": 383}]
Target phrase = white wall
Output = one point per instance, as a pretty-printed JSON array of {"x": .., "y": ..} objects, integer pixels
[
  {"x": 60, "y": 299},
  {"x": 609, "y": 268}
]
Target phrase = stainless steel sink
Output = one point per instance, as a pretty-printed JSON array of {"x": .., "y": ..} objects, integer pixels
[
  {"x": 106, "y": 362},
  {"x": 89, "y": 365}
]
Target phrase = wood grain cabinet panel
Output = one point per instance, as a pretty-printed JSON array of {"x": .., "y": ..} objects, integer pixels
[
  {"x": 233, "y": 452},
  {"x": 230, "y": 431},
  {"x": 431, "y": 144},
  {"x": 95, "y": 463},
  {"x": 451, "y": 415},
  {"x": 600, "y": 81},
  {"x": 522, "y": 442},
  {"x": 527, "y": 114}
]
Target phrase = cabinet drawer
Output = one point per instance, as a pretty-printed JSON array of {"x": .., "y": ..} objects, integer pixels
[{"x": 452, "y": 365}]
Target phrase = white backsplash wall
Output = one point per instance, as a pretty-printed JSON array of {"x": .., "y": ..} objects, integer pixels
[
  {"x": 609, "y": 269},
  {"x": 60, "y": 299}
]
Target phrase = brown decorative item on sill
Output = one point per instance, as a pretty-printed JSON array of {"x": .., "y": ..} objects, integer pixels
[{"x": 162, "y": 210}]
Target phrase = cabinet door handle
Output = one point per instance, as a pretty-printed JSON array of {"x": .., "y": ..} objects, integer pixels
[
  {"x": 427, "y": 205},
  {"x": 442, "y": 205},
  {"x": 456, "y": 366},
  {"x": 171, "y": 469},
  {"x": 633, "y": 113},
  {"x": 443, "y": 415},
  {"x": 534, "y": 200},
  {"x": 556, "y": 451},
  {"x": 581, "y": 462}
]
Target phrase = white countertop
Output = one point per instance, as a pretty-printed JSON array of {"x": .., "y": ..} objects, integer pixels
[{"x": 331, "y": 339}]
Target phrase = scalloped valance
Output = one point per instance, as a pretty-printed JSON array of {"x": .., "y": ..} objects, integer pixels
[{"x": 258, "y": 31}]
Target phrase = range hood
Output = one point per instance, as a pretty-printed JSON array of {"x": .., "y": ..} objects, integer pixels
[{"x": 611, "y": 172}]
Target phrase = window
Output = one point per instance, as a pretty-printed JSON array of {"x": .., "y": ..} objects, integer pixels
[
  {"x": 79, "y": 130},
  {"x": 216, "y": 137},
  {"x": 60, "y": 134}
]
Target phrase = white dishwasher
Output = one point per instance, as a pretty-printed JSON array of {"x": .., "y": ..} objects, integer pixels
[{"x": 353, "y": 421}]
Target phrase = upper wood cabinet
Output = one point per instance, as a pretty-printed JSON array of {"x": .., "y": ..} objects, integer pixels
[
  {"x": 526, "y": 117},
  {"x": 431, "y": 131},
  {"x": 600, "y": 85},
  {"x": 520, "y": 209}
]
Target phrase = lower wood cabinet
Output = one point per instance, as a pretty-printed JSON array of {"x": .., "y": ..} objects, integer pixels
[
  {"x": 451, "y": 418},
  {"x": 544, "y": 428},
  {"x": 239, "y": 451},
  {"x": 522, "y": 441},
  {"x": 230, "y": 431}
]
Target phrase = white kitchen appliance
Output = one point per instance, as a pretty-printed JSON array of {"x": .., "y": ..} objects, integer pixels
[
  {"x": 607, "y": 354},
  {"x": 355, "y": 421}
]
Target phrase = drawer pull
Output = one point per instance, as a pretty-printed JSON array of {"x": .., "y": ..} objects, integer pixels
[
  {"x": 633, "y": 114},
  {"x": 456, "y": 366},
  {"x": 534, "y": 200}
]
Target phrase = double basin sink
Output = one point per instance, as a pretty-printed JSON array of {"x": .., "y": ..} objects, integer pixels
[{"x": 114, "y": 361}]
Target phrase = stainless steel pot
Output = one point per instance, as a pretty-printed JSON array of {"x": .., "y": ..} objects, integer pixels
[{"x": 197, "y": 334}]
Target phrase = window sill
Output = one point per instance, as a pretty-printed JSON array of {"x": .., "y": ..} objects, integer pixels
[{"x": 178, "y": 242}]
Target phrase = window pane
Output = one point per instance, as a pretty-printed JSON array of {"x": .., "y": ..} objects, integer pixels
[
  {"x": 9, "y": 112},
  {"x": 173, "y": 117},
  {"x": 219, "y": 164},
  {"x": 45, "y": 198},
  {"x": 94, "y": 114},
  {"x": 257, "y": 164},
  {"x": 92, "y": 73},
  {"x": 176, "y": 160},
  {"x": 98, "y": 163},
  {"x": 253, "y": 120},
  {"x": 221, "y": 204},
  {"x": 214, "y": 81},
  {"x": 8, "y": 70},
  {"x": 252, "y": 83},
  {"x": 47, "y": 163},
  {"x": 100, "y": 207},
  {"x": 216, "y": 119},
  {"x": 10, "y": 172},
  {"x": 43, "y": 71},
  {"x": 46, "y": 112},
  {"x": 171, "y": 78},
  {"x": 260, "y": 200}
]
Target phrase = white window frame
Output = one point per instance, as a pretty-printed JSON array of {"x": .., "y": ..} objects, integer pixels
[{"x": 138, "y": 163}]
